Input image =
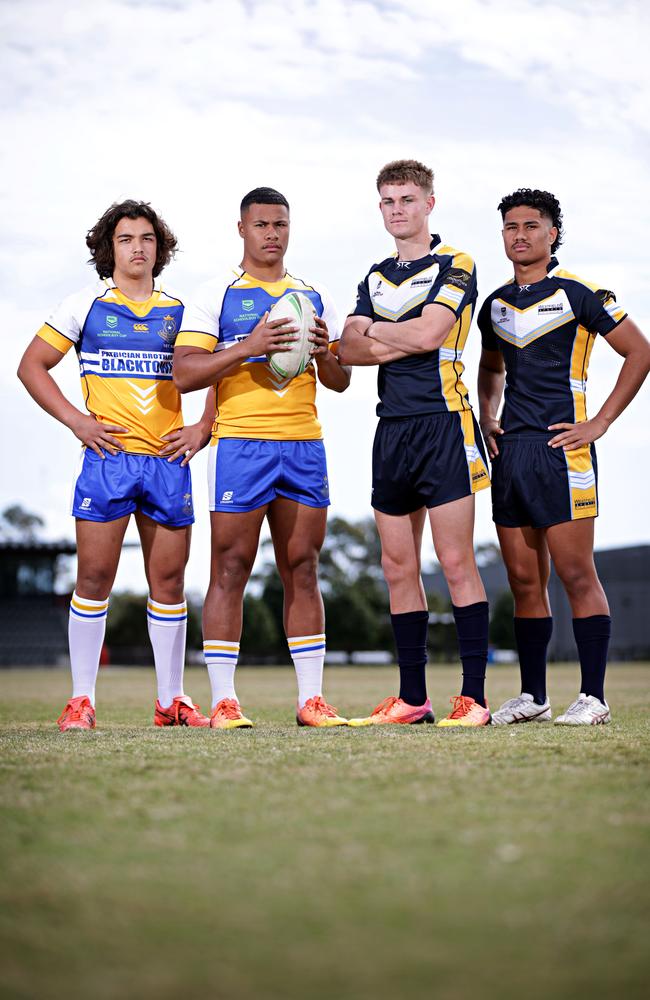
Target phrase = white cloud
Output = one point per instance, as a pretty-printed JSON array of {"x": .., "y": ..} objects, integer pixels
[{"x": 189, "y": 105}]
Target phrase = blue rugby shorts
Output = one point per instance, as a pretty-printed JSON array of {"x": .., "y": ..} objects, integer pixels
[
  {"x": 245, "y": 474},
  {"x": 107, "y": 488}
]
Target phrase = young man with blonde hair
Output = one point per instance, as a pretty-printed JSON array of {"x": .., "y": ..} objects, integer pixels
[{"x": 411, "y": 319}]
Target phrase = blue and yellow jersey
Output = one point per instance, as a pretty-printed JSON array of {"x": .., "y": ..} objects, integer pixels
[
  {"x": 398, "y": 290},
  {"x": 124, "y": 349},
  {"x": 253, "y": 402},
  {"x": 546, "y": 332}
]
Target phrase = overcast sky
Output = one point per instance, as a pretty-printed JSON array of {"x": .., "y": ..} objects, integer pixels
[{"x": 190, "y": 104}]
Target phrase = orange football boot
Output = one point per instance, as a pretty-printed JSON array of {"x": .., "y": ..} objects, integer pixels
[
  {"x": 227, "y": 714},
  {"x": 181, "y": 712},
  {"x": 395, "y": 711},
  {"x": 77, "y": 714},
  {"x": 466, "y": 712},
  {"x": 316, "y": 712}
]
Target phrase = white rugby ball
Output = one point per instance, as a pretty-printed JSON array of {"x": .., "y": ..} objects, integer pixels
[{"x": 299, "y": 309}]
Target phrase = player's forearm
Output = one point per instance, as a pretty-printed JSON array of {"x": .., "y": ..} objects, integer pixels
[
  {"x": 331, "y": 373},
  {"x": 44, "y": 390},
  {"x": 357, "y": 349},
  {"x": 490, "y": 391},
  {"x": 631, "y": 377},
  {"x": 413, "y": 336},
  {"x": 201, "y": 370}
]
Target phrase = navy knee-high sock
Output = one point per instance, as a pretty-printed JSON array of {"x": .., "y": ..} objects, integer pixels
[
  {"x": 472, "y": 626},
  {"x": 532, "y": 636},
  {"x": 592, "y": 637},
  {"x": 410, "y": 631}
]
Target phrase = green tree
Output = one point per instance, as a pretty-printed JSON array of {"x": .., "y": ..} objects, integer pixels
[
  {"x": 18, "y": 524},
  {"x": 502, "y": 629}
]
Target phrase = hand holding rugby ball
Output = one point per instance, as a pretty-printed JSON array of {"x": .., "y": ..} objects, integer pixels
[{"x": 298, "y": 308}]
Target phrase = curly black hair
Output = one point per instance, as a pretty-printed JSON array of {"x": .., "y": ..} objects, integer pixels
[
  {"x": 100, "y": 238},
  {"x": 545, "y": 202}
]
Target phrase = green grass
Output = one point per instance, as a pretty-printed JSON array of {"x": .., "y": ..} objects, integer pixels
[{"x": 288, "y": 863}]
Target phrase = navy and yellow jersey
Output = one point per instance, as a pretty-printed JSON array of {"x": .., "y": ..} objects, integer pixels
[
  {"x": 398, "y": 290},
  {"x": 124, "y": 349},
  {"x": 546, "y": 332},
  {"x": 253, "y": 402}
]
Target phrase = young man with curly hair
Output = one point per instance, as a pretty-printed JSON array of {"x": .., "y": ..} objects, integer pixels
[
  {"x": 538, "y": 332},
  {"x": 135, "y": 448},
  {"x": 412, "y": 319}
]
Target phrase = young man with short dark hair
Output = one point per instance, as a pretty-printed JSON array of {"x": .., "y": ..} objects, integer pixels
[
  {"x": 412, "y": 319},
  {"x": 538, "y": 332},
  {"x": 135, "y": 451},
  {"x": 267, "y": 458}
]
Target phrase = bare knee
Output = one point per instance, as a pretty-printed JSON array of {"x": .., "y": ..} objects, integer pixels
[
  {"x": 578, "y": 580},
  {"x": 458, "y": 568},
  {"x": 300, "y": 572},
  {"x": 94, "y": 582},
  {"x": 231, "y": 570},
  {"x": 397, "y": 571}
]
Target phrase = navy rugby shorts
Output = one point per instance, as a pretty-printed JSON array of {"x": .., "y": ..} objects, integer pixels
[
  {"x": 426, "y": 461},
  {"x": 107, "y": 488},
  {"x": 537, "y": 486}
]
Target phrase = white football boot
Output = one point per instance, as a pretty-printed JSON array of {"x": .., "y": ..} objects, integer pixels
[
  {"x": 585, "y": 711},
  {"x": 523, "y": 708}
]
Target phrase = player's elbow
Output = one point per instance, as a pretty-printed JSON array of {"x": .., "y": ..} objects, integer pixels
[{"x": 183, "y": 378}]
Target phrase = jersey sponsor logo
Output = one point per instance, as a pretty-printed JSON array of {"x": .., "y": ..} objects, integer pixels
[
  {"x": 421, "y": 281},
  {"x": 579, "y": 504},
  {"x": 456, "y": 276},
  {"x": 140, "y": 328},
  {"x": 227, "y": 497},
  {"x": 550, "y": 307},
  {"x": 111, "y": 322},
  {"x": 477, "y": 476},
  {"x": 146, "y": 363}
]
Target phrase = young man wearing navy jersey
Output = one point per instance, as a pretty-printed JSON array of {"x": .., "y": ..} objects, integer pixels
[
  {"x": 135, "y": 453},
  {"x": 538, "y": 331},
  {"x": 412, "y": 319}
]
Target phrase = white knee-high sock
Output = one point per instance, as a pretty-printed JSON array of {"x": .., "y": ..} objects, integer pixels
[
  {"x": 221, "y": 657},
  {"x": 86, "y": 630},
  {"x": 308, "y": 655},
  {"x": 167, "y": 625}
]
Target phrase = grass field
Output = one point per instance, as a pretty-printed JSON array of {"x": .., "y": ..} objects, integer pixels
[{"x": 288, "y": 863}]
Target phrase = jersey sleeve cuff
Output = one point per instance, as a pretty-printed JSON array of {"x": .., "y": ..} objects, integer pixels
[
  {"x": 191, "y": 338},
  {"x": 54, "y": 338}
]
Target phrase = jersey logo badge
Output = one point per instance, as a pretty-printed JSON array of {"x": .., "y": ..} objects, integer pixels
[
  {"x": 140, "y": 328},
  {"x": 227, "y": 497},
  {"x": 403, "y": 263},
  {"x": 111, "y": 322},
  {"x": 167, "y": 331},
  {"x": 248, "y": 305},
  {"x": 85, "y": 503}
]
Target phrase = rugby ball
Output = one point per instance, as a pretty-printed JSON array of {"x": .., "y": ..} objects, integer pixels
[{"x": 298, "y": 308}]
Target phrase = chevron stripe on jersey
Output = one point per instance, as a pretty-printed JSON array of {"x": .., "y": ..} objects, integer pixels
[
  {"x": 396, "y": 291},
  {"x": 124, "y": 349},
  {"x": 254, "y": 402},
  {"x": 522, "y": 326},
  {"x": 546, "y": 332}
]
